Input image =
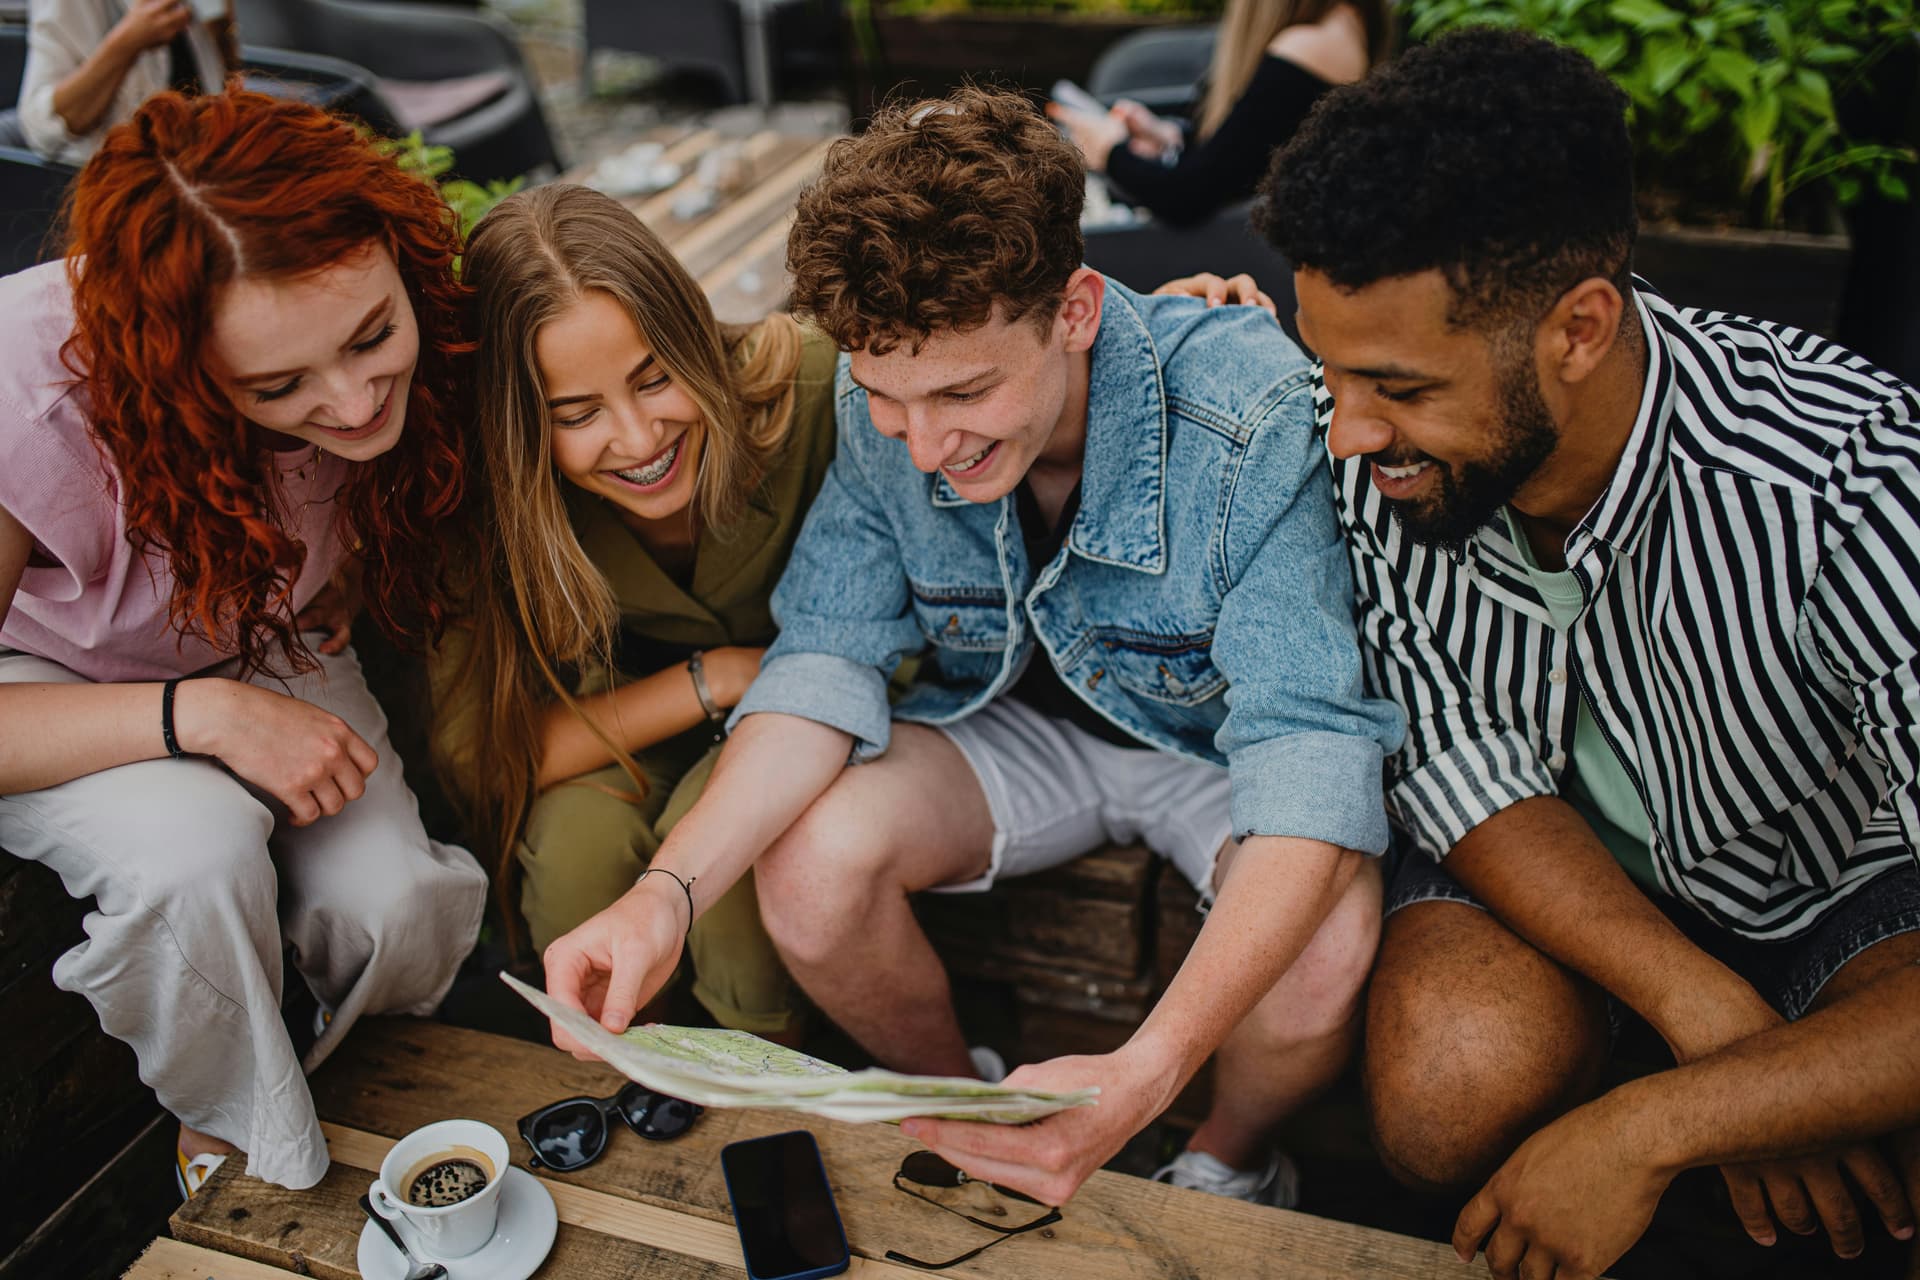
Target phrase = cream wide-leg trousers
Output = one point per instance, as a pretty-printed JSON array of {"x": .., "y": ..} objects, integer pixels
[{"x": 199, "y": 883}]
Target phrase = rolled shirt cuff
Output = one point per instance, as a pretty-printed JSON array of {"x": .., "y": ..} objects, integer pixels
[
  {"x": 1455, "y": 791},
  {"x": 1315, "y": 786},
  {"x": 834, "y": 691}
]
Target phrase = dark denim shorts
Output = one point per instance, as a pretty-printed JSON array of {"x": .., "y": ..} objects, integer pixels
[{"x": 1789, "y": 973}]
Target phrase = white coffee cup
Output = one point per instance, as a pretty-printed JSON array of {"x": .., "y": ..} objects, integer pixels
[{"x": 449, "y": 1230}]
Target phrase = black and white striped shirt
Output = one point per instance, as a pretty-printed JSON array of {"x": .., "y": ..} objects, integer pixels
[{"x": 1750, "y": 643}]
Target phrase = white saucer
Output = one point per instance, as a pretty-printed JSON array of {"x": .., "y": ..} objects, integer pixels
[{"x": 522, "y": 1238}]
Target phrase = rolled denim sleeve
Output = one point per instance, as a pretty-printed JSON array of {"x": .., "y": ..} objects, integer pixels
[
  {"x": 843, "y": 609},
  {"x": 1305, "y": 745}
]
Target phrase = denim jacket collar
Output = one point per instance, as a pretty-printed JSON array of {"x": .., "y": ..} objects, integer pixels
[{"x": 1122, "y": 519}]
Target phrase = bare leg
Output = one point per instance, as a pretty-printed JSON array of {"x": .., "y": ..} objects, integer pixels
[
  {"x": 194, "y": 1143},
  {"x": 1299, "y": 1036},
  {"x": 1474, "y": 1040},
  {"x": 833, "y": 894}
]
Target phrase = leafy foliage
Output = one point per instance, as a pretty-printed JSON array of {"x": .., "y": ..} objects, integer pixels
[
  {"x": 1732, "y": 100},
  {"x": 469, "y": 201}
]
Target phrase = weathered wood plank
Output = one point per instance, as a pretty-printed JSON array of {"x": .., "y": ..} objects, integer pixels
[
  {"x": 176, "y": 1260},
  {"x": 316, "y": 1232},
  {"x": 1089, "y": 915},
  {"x": 37, "y": 918},
  {"x": 396, "y": 1075},
  {"x": 705, "y": 246}
]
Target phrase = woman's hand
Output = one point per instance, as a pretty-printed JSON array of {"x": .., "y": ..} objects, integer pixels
[
  {"x": 1094, "y": 135},
  {"x": 307, "y": 759},
  {"x": 335, "y": 607},
  {"x": 1217, "y": 291},
  {"x": 1148, "y": 136},
  {"x": 730, "y": 671},
  {"x": 151, "y": 22}
]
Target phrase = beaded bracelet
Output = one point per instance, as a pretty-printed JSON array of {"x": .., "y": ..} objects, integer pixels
[{"x": 166, "y": 718}]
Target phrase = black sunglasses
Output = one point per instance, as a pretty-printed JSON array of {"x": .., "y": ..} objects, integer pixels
[
  {"x": 925, "y": 1169},
  {"x": 571, "y": 1134}
]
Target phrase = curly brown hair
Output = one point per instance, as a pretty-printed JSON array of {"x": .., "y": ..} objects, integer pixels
[{"x": 942, "y": 215}]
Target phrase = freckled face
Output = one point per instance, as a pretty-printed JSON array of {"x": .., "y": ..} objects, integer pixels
[
  {"x": 622, "y": 428},
  {"x": 978, "y": 406},
  {"x": 327, "y": 357}
]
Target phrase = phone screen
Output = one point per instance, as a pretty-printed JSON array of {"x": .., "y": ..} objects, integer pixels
[{"x": 783, "y": 1207}]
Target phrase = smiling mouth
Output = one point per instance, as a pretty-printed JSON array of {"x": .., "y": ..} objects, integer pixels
[
  {"x": 967, "y": 466},
  {"x": 652, "y": 472},
  {"x": 367, "y": 428}
]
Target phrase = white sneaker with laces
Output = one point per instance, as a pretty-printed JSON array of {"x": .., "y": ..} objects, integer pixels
[
  {"x": 991, "y": 1067},
  {"x": 1277, "y": 1183}
]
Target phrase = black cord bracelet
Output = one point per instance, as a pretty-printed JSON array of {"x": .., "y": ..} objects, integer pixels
[
  {"x": 166, "y": 718},
  {"x": 686, "y": 887}
]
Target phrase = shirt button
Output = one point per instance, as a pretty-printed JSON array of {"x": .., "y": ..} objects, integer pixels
[{"x": 1557, "y": 676}]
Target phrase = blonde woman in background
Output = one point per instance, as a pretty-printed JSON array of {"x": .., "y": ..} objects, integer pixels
[
  {"x": 642, "y": 473},
  {"x": 1272, "y": 59}
]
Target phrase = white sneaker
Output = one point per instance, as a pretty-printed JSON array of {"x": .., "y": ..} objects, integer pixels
[
  {"x": 990, "y": 1066},
  {"x": 1276, "y": 1184}
]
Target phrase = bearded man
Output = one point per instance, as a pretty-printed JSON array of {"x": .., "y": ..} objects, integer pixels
[{"x": 1644, "y": 582}]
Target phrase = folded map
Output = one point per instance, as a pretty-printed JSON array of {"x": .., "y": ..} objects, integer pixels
[{"x": 735, "y": 1069}]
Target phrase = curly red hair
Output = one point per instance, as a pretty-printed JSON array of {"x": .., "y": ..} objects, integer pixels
[{"x": 188, "y": 195}]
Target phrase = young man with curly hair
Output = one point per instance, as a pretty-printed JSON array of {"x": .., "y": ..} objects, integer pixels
[
  {"x": 1644, "y": 581},
  {"x": 1106, "y": 522}
]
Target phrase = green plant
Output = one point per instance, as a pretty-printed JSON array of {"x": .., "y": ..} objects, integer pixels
[
  {"x": 469, "y": 200},
  {"x": 1732, "y": 100}
]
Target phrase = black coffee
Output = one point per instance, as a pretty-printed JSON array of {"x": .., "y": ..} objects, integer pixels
[{"x": 446, "y": 1182}]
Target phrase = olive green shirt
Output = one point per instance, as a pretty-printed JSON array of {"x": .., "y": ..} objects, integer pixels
[{"x": 735, "y": 568}]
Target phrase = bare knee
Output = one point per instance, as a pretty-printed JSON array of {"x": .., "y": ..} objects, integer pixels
[
  {"x": 819, "y": 883},
  {"x": 1474, "y": 1040}
]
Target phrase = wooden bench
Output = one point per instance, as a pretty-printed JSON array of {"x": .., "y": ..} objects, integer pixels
[
  {"x": 72, "y": 1108},
  {"x": 1085, "y": 949}
]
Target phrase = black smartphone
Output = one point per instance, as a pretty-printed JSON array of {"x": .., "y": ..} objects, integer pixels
[{"x": 783, "y": 1207}]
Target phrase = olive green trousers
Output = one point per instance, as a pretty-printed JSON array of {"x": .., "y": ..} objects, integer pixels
[{"x": 588, "y": 839}]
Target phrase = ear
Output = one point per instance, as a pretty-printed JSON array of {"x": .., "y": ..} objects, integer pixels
[
  {"x": 1581, "y": 330},
  {"x": 1080, "y": 309}
]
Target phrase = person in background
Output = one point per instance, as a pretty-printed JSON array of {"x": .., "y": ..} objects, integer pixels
[
  {"x": 1271, "y": 62},
  {"x": 226, "y": 410},
  {"x": 91, "y": 63}
]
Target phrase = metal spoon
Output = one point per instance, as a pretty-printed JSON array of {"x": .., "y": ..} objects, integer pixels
[{"x": 416, "y": 1270}]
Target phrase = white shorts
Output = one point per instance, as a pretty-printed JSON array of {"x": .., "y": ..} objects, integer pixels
[{"x": 1057, "y": 791}]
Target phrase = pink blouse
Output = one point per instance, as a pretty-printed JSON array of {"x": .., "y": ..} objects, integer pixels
[{"x": 89, "y": 600}]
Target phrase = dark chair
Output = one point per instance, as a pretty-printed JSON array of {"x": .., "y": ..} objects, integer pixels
[
  {"x": 1147, "y": 254},
  {"x": 710, "y": 36},
  {"x": 1159, "y": 68},
  {"x": 409, "y": 47},
  {"x": 30, "y": 188}
]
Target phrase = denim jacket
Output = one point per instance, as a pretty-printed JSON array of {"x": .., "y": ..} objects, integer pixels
[{"x": 1202, "y": 601}]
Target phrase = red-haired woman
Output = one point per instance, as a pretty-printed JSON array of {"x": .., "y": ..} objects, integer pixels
[{"x": 230, "y": 401}]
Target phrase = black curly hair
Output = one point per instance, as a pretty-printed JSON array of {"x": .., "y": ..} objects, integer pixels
[{"x": 1499, "y": 158}]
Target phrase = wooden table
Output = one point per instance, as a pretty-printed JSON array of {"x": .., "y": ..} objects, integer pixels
[
  {"x": 659, "y": 1209},
  {"x": 737, "y": 248}
]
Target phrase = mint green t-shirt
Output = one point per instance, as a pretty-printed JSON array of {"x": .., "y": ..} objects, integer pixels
[{"x": 1598, "y": 786}]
